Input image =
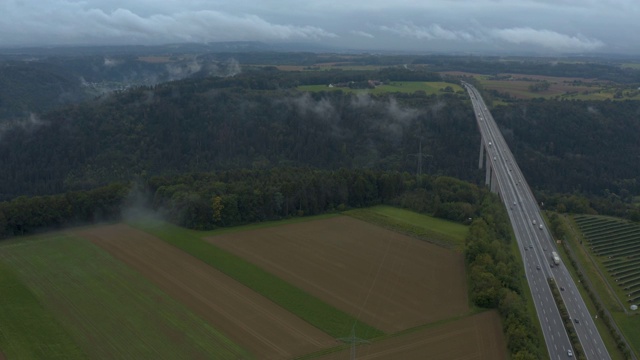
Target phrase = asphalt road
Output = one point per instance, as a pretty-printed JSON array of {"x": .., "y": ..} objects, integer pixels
[{"x": 536, "y": 245}]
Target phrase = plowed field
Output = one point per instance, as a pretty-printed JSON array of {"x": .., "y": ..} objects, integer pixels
[
  {"x": 477, "y": 337},
  {"x": 388, "y": 280},
  {"x": 247, "y": 318}
]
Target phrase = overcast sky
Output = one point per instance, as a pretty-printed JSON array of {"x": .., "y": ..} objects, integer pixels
[{"x": 544, "y": 26}]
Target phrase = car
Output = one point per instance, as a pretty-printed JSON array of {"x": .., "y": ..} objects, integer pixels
[
  {"x": 576, "y": 321},
  {"x": 562, "y": 288},
  {"x": 530, "y": 246},
  {"x": 569, "y": 353},
  {"x": 538, "y": 267}
]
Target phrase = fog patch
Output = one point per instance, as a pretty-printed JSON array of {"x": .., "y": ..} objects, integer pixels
[
  {"x": 182, "y": 70},
  {"x": 111, "y": 62},
  {"x": 437, "y": 106},
  {"x": 137, "y": 207},
  {"x": 28, "y": 124},
  {"x": 397, "y": 119},
  {"x": 202, "y": 67}
]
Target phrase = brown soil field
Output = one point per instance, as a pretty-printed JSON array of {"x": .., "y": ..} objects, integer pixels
[
  {"x": 388, "y": 280},
  {"x": 247, "y": 318},
  {"x": 477, "y": 337}
]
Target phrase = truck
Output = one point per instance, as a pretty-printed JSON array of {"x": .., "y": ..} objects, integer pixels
[{"x": 555, "y": 257}]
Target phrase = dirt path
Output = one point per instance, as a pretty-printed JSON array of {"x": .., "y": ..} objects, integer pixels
[
  {"x": 388, "y": 280},
  {"x": 250, "y": 320}
]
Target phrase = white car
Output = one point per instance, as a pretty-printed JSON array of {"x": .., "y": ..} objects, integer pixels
[{"x": 570, "y": 353}]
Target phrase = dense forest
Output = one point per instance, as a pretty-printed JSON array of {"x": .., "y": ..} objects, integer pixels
[
  {"x": 225, "y": 123},
  {"x": 577, "y": 155}
]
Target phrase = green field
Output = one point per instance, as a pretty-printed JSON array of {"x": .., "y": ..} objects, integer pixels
[
  {"x": 318, "y": 313},
  {"x": 431, "y": 87},
  {"x": 442, "y": 232},
  {"x": 107, "y": 308},
  {"x": 27, "y": 329},
  {"x": 630, "y": 65}
]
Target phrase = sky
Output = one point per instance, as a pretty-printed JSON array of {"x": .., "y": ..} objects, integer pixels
[{"x": 468, "y": 26}]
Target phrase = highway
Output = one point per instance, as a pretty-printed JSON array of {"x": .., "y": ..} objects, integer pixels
[{"x": 536, "y": 245}]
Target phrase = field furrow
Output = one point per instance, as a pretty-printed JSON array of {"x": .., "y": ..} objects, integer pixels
[{"x": 251, "y": 320}]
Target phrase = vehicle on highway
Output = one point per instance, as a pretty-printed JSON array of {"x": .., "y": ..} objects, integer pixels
[
  {"x": 555, "y": 258},
  {"x": 489, "y": 143},
  {"x": 530, "y": 246},
  {"x": 576, "y": 321},
  {"x": 540, "y": 226},
  {"x": 570, "y": 353},
  {"x": 562, "y": 288},
  {"x": 538, "y": 267},
  {"x": 534, "y": 221}
]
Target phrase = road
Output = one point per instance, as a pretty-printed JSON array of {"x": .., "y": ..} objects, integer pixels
[{"x": 536, "y": 245}]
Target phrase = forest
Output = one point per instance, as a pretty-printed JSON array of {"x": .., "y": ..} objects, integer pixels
[{"x": 576, "y": 155}]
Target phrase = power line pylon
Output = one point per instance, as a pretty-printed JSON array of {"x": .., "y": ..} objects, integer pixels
[{"x": 353, "y": 340}]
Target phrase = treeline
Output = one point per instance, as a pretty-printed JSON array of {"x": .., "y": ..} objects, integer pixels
[
  {"x": 607, "y": 204},
  {"x": 27, "y": 215},
  {"x": 496, "y": 277},
  {"x": 228, "y": 198}
]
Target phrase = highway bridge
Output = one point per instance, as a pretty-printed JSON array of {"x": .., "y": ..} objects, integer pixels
[{"x": 536, "y": 244}]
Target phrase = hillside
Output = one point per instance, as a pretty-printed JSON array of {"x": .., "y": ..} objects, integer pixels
[{"x": 222, "y": 123}]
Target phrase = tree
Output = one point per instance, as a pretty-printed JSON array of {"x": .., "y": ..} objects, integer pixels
[{"x": 218, "y": 206}]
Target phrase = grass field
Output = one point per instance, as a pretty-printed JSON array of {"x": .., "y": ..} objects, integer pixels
[
  {"x": 442, "y": 232},
  {"x": 108, "y": 309},
  {"x": 27, "y": 329},
  {"x": 398, "y": 86},
  {"x": 318, "y": 313}
]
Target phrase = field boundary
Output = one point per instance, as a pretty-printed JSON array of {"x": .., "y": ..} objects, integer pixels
[
  {"x": 405, "y": 228},
  {"x": 325, "y": 317}
]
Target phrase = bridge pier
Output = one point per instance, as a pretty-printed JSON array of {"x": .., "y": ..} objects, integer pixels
[
  {"x": 487, "y": 176},
  {"x": 481, "y": 154},
  {"x": 494, "y": 183}
]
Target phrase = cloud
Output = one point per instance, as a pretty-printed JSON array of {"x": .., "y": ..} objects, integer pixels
[
  {"x": 363, "y": 34},
  {"x": 546, "y": 38},
  {"x": 432, "y": 32},
  {"x": 518, "y": 35},
  {"x": 76, "y": 25}
]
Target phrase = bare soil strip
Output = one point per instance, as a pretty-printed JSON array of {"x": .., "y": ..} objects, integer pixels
[
  {"x": 390, "y": 281},
  {"x": 250, "y": 320},
  {"x": 477, "y": 337}
]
